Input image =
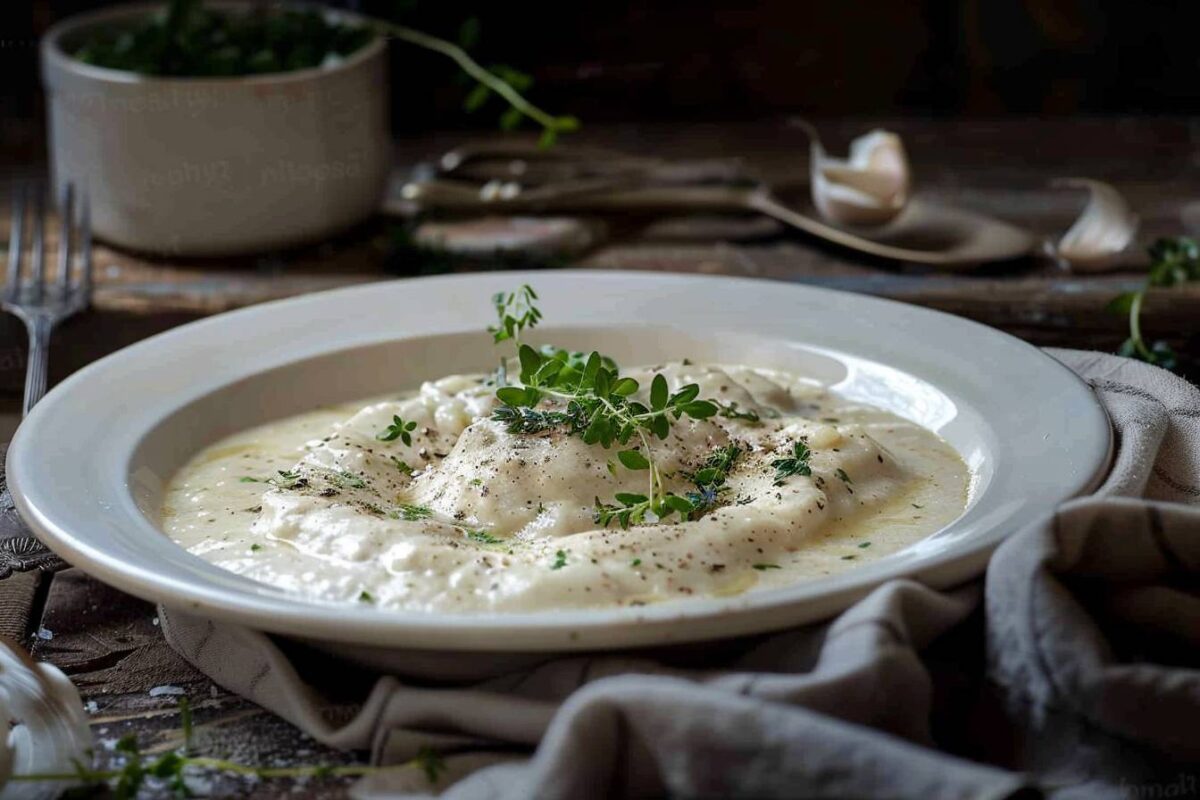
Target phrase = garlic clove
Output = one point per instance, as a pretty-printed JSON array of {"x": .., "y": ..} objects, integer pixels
[
  {"x": 47, "y": 726},
  {"x": 1103, "y": 231},
  {"x": 869, "y": 187}
]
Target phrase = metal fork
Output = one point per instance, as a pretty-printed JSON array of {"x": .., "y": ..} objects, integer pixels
[{"x": 42, "y": 305}]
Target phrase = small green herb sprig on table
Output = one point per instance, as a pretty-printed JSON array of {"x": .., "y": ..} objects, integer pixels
[
  {"x": 174, "y": 767},
  {"x": 598, "y": 409},
  {"x": 1172, "y": 262}
]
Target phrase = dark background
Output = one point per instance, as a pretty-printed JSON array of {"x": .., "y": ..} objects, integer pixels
[{"x": 723, "y": 60}]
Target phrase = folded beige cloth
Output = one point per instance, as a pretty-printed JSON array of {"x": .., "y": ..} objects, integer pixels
[{"x": 1073, "y": 670}]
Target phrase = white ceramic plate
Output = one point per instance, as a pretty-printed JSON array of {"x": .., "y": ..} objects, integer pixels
[{"x": 88, "y": 465}]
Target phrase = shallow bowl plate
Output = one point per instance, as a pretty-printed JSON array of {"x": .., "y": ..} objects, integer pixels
[{"x": 88, "y": 466}]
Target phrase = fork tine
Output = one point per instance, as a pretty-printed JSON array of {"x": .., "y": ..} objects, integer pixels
[
  {"x": 85, "y": 244},
  {"x": 38, "y": 274},
  {"x": 16, "y": 241},
  {"x": 66, "y": 211}
]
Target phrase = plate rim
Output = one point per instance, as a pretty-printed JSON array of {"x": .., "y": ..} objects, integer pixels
[{"x": 571, "y": 629}]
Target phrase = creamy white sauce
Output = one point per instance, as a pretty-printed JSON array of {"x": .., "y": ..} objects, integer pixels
[{"x": 510, "y": 523}]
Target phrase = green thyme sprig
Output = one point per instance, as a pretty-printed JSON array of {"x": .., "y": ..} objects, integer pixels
[
  {"x": 411, "y": 513},
  {"x": 483, "y": 537},
  {"x": 597, "y": 407},
  {"x": 710, "y": 480},
  {"x": 499, "y": 81},
  {"x": 795, "y": 464},
  {"x": 749, "y": 416},
  {"x": 528, "y": 420},
  {"x": 600, "y": 411},
  {"x": 397, "y": 429},
  {"x": 173, "y": 768},
  {"x": 1172, "y": 262},
  {"x": 288, "y": 479},
  {"x": 515, "y": 312}
]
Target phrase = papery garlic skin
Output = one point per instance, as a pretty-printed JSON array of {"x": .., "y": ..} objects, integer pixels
[
  {"x": 870, "y": 187},
  {"x": 1101, "y": 234}
]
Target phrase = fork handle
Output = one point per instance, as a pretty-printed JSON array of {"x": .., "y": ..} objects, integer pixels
[{"x": 39, "y": 361}]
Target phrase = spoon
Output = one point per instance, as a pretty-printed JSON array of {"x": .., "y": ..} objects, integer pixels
[{"x": 927, "y": 233}]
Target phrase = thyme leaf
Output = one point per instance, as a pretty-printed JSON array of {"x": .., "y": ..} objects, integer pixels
[
  {"x": 795, "y": 464},
  {"x": 398, "y": 429}
]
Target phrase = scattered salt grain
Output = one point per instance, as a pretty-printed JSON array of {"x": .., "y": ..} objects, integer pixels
[
  {"x": 45, "y": 633},
  {"x": 171, "y": 691},
  {"x": 91, "y": 706}
]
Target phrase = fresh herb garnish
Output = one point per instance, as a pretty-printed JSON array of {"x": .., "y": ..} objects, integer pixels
[
  {"x": 288, "y": 479},
  {"x": 402, "y": 465},
  {"x": 398, "y": 429},
  {"x": 560, "y": 560},
  {"x": 842, "y": 476},
  {"x": 515, "y": 311},
  {"x": 1172, "y": 262},
  {"x": 864, "y": 544},
  {"x": 411, "y": 513},
  {"x": 764, "y": 567},
  {"x": 795, "y": 464},
  {"x": 710, "y": 480},
  {"x": 365, "y": 597},
  {"x": 575, "y": 359},
  {"x": 483, "y": 537},
  {"x": 254, "y": 548},
  {"x": 730, "y": 411},
  {"x": 637, "y": 562},
  {"x": 599, "y": 411},
  {"x": 248, "y": 479},
  {"x": 598, "y": 408},
  {"x": 529, "y": 420},
  {"x": 346, "y": 478}
]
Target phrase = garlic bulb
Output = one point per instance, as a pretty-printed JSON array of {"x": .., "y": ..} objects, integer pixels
[
  {"x": 47, "y": 729},
  {"x": 870, "y": 187},
  {"x": 1103, "y": 232}
]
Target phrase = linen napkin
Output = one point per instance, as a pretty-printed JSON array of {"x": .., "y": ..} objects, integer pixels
[{"x": 1071, "y": 670}]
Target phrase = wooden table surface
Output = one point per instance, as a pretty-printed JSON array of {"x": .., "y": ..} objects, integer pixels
[{"x": 110, "y": 644}]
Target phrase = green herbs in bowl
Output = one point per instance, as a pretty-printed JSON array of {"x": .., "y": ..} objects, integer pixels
[{"x": 184, "y": 39}]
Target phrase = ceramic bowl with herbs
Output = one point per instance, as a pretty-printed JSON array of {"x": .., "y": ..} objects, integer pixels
[{"x": 219, "y": 129}]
